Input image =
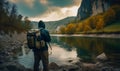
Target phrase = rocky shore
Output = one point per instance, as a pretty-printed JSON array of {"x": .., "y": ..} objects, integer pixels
[
  {"x": 101, "y": 64},
  {"x": 10, "y": 46}
]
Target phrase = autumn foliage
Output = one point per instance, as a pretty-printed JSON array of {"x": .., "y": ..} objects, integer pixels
[
  {"x": 10, "y": 20},
  {"x": 70, "y": 29},
  {"x": 97, "y": 22}
]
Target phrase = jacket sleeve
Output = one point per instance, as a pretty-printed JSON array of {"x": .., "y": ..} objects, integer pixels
[{"x": 46, "y": 36}]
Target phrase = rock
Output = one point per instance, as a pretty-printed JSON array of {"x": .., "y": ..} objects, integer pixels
[
  {"x": 12, "y": 66},
  {"x": 70, "y": 61},
  {"x": 27, "y": 69},
  {"x": 53, "y": 66},
  {"x": 101, "y": 57},
  {"x": 74, "y": 69},
  {"x": 70, "y": 68},
  {"x": 92, "y": 7},
  {"x": 8, "y": 48},
  {"x": 107, "y": 69},
  {"x": 89, "y": 67},
  {"x": 7, "y": 54},
  {"x": 107, "y": 66}
]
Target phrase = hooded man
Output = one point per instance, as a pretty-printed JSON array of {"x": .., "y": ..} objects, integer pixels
[{"x": 42, "y": 53}]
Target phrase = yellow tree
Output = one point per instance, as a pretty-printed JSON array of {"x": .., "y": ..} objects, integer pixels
[
  {"x": 86, "y": 26},
  {"x": 116, "y": 9},
  {"x": 109, "y": 16},
  {"x": 62, "y": 29},
  {"x": 92, "y": 22},
  {"x": 79, "y": 27},
  {"x": 70, "y": 29},
  {"x": 27, "y": 24},
  {"x": 100, "y": 24}
]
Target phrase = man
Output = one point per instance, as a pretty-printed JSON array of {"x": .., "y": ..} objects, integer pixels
[{"x": 42, "y": 53}]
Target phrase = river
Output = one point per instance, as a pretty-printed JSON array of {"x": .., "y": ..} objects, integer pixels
[{"x": 86, "y": 49}]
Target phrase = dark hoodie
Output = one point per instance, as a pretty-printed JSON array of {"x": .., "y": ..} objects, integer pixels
[
  {"x": 45, "y": 36},
  {"x": 41, "y": 24}
]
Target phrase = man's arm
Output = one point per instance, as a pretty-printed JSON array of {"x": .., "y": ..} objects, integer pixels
[
  {"x": 50, "y": 45},
  {"x": 47, "y": 37}
]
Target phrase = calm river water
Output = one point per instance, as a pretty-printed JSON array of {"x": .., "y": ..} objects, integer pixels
[{"x": 86, "y": 49}]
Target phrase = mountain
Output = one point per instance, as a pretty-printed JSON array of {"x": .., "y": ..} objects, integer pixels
[
  {"x": 93, "y": 7},
  {"x": 53, "y": 25}
]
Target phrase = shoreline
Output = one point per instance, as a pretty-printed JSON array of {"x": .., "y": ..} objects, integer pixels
[
  {"x": 77, "y": 66},
  {"x": 88, "y": 35}
]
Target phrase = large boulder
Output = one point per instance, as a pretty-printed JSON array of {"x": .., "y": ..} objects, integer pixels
[
  {"x": 12, "y": 66},
  {"x": 101, "y": 57},
  {"x": 53, "y": 66}
]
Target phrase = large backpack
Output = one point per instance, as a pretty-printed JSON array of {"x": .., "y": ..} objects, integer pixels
[{"x": 34, "y": 39}]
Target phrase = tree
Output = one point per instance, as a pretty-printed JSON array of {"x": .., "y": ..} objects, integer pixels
[
  {"x": 86, "y": 26},
  {"x": 62, "y": 29},
  {"x": 4, "y": 18},
  {"x": 13, "y": 15},
  {"x": 79, "y": 27},
  {"x": 10, "y": 20},
  {"x": 116, "y": 9},
  {"x": 20, "y": 17},
  {"x": 100, "y": 24},
  {"x": 92, "y": 22},
  {"x": 70, "y": 29},
  {"x": 109, "y": 16},
  {"x": 27, "y": 24}
]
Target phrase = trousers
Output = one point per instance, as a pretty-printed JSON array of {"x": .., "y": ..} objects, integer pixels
[{"x": 43, "y": 56}]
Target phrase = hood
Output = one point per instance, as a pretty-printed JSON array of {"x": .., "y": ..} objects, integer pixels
[{"x": 41, "y": 24}]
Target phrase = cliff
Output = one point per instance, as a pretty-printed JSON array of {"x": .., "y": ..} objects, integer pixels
[
  {"x": 92, "y": 7},
  {"x": 85, "y": 10}
]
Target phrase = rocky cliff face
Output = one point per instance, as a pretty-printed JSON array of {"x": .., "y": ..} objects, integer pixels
[
  {"x": 84, "y": 10},
  {"x": 92, "y": 7}
]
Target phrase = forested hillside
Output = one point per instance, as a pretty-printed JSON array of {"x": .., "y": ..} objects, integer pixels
[
  {"x": 10, "y": 20},
  {"x": 96, "y": 23}
]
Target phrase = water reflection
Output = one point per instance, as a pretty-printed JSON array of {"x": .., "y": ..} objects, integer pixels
[
  {"x": 59, "y": 55},
  {"x": 87, "y": 49}
]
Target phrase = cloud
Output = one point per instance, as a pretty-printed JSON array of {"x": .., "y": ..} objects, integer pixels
[
  {"x": 70, "y": 10},
  {"x": 64, "y": 3},
  {"x": 44, "y": 2},
  {"x": 56, "y": 13},
  {"x": 47, "y": 10},
  {"x": 30, "y": 3},
  {"x": 77, "y": 2},
  {"x": 14, "y": 1}
]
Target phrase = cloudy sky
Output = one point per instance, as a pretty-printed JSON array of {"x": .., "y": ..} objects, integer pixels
[{"x": 47, "y": 10}]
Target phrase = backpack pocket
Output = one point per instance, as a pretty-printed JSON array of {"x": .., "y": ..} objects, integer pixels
[{"x": 40, "y": 44}]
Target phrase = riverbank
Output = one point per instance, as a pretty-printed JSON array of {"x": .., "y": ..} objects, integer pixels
[
  {"x": 10, "y": 48},
  {"x": 101, "y": 64},
  {"x": 89, "y": 35}
]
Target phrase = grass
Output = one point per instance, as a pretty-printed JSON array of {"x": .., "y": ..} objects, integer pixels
[{"x": 113, "y": 28}]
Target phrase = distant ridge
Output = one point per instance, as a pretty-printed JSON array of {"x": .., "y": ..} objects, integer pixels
[{"x": 52, "y": 25}]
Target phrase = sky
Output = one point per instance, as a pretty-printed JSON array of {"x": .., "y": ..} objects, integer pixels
[{"x": 47, "y": 10}]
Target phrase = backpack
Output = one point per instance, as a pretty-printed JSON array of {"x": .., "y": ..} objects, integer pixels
[{"x": 34, "y": 39}]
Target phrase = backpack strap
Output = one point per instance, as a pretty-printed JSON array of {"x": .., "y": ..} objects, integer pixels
[{"x": 45, "y": 41}]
